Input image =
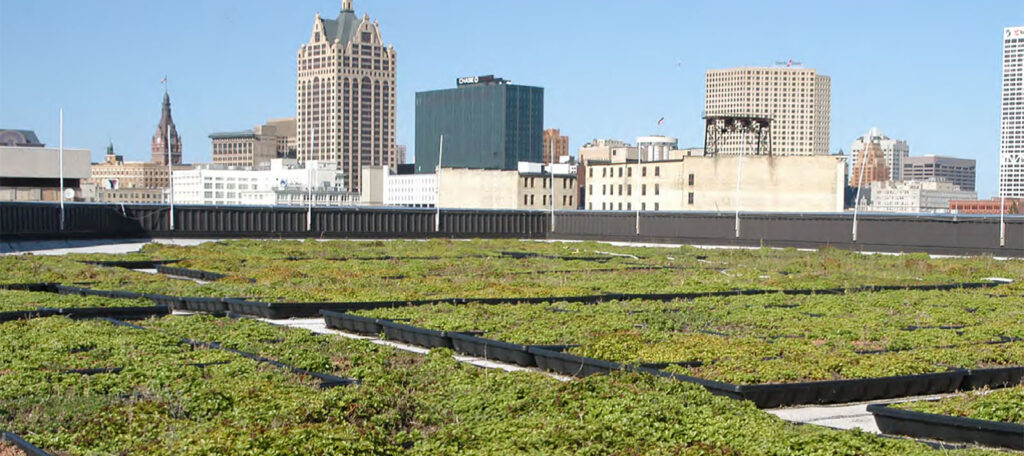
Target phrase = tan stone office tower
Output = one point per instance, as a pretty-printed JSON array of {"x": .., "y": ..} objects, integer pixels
[
  {"x": 798, "y": 100},
  {"x": 346, "y": 95}
]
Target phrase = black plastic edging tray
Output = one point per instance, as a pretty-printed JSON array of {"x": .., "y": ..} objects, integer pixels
[
  {"x": 994, "y": 377},
  {"x": 123, "y": 313},
  {"x": 42, "y": 287},
  {"x": 853, "y": 390},
  {"x": 113, "y": 294},
  {"x": 948, "y": 428},
  {"x": 351, "y": 323},
  {"x": 21, "y": 444},
  {"x": 139, "y": 264},
  {"x": 191, "y": 273},
  {"x": 428, "y": 338},
  {"x": 572, "y": 365},
  {"x": 216, "y": 306}
]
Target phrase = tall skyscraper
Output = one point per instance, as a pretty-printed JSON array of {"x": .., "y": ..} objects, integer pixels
[
  {"x": 896, "y": 151},
  {"x": 159, "y": 148},
  {"x": 346, "y": 95},
  {"x": 798, "y": 100},
  {"x": 487, "y": 122},
  {"x": 1011, "y": 151}
]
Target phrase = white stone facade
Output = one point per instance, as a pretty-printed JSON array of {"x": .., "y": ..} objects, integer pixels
[
  {"x": 915, "y": 197},
  {"x": 1011, "y": 150},
  {"x": 798, "y": 100},
  {"x": 346, "y": 95},
  {"x": 284, "y": 182}
]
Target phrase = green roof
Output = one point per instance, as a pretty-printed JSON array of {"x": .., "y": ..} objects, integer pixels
[{"x": 233, "y": 134}]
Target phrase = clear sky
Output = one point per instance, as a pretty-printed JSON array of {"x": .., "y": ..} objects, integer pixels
[{"x": 922, "y": 70}]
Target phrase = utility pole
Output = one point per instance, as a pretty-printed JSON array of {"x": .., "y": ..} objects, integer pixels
[
  {"x": 739, "y": 179},
  {"x": 860, "y": 185},
  {"x": 551, "y": 172},
  {"x": 309, "y": 183}
]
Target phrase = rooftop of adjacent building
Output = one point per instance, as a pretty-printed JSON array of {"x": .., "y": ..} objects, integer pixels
[{"x": 19, "y": 138}]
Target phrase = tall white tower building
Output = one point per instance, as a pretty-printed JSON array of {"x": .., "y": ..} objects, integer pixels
[
  {"x": 1011, "y": 150},
  {"x": 895, "y": 151},
  {"x": 346, "y": 95}
]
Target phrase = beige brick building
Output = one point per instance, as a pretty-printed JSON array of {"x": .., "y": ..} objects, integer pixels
[
  {"x": 798, "y": 100},
  {"x": 275, "y": 139},
  {"x": 346, "y": 95},
  {"x": 117, "y": 180},
  {"x": 769, "y": 184}
]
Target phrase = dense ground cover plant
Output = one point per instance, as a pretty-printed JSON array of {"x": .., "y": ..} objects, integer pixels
[
  {"x": 13, "y": 300},
  {"x": 334, "y": 271},
  {"x": 1005, "y": 405},
  {"x": 161, "y": 404},
  {"x": 763, "y": 338}
]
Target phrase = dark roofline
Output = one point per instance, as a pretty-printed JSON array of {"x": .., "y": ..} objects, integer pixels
[{"x": 233, "y": 134}]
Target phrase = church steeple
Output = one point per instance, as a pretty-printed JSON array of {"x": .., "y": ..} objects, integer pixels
[{"x": 160, "y": 137}]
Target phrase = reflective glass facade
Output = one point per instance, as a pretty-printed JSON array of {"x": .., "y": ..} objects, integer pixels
[{"x": 492, "y": 126}]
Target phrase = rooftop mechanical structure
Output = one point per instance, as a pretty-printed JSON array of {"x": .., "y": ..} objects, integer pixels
[{"x": 722, "y": 127}]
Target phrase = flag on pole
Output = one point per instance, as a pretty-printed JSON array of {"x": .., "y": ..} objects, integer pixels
[
  {"x": 661, "y": 121},
  {"x": 164, "y": 80}
]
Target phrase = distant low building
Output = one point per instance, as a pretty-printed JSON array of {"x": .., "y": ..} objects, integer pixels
[
  {"x": 275, "y": 139},
  {"x": 915, "y": 197},
  {"x": 118, "y": 181},
  {"x": 283, "y": 182},
  {"x": 957, "y": 171},
  {"x": 29, "y": 171},
  {"x": 464, "y": 188},
  {"x": 698, "y": 183},
  {"x": 1013, "y": 206}
]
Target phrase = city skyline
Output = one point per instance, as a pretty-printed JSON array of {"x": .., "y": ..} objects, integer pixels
[{"x": 934, "y": 82}]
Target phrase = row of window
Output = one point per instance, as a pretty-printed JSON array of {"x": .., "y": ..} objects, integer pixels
[{"x": 528, "y": 200}]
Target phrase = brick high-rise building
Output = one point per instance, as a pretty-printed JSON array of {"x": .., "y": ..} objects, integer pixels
[
  {"x": 159, "y": 148},
  {"x": 554, "y": 141},
  {"x": 873, "y": 167},
  {"x": 798, "y": 100},
  {"x": 346, "y": 95}
]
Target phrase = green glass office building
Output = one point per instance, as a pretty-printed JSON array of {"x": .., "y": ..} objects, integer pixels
[{"x": 486, "y": 122}]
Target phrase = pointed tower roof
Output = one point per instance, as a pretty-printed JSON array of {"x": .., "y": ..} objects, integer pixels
[{"x": 344, "y": 27}]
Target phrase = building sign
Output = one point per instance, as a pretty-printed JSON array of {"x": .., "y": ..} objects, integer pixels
[{"x": 475, "y": 80}]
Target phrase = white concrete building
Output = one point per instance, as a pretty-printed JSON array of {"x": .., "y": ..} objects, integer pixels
[
  {"x": 896, "y": 152},
  {"x": 798, "y": 100},
  {"x": 915, "y": 197},
  {"x": 1011, "y": 150},
  {"x": 657, "y": 147},
  {"x": 283, "y": 182}
]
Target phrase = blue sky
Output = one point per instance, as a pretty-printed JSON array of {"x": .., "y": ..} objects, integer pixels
[{"x": 925, "y": 71}]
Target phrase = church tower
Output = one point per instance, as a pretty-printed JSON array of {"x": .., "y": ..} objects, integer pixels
[{"x": 160, "y": 137}]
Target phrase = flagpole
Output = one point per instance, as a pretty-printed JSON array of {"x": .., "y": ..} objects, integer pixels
[
  {"x": 437, "y": 178},
  {"x": 739, "y": 179},
  {"x": 639, "y": 184},
  {"x": 170, "y": 169},
  {"x": 860, "y": 185},
  {"x": 551, "y": 171},
  {"x": 60, "y": 164},
  {"x": 1002, "y": 220},
  {"x": 309, "y": 184}
]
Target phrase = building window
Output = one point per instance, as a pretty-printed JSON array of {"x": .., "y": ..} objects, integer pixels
[
  {"x": 643, "y": 206},
  {"x": 657, "y": 189},
  {"x": 629, "y": 206},
  {"x": 657, "y": 170},
  {"x": 590, "y": 189},
  {"x": 643, "y": 190},
  {"x": 590, "y": 172},
  {"x": 620, "y": 172},
  {"x": 603, "y": 189},
  {"x": 531, "y": 200},
  {"x": 620, "y": 189},
  {"x": 570, "y": 201},
  {"x": 689, "y": 198},
  {"x": 620, "y": 206},
  {"x": 691, "y": 178},
  {"x": 604, "y": 172},
  {"x": 644, "y": 173},
  {"x": 629, "y": 189},
  {"x": 526, "y": 200},
  {"x": 655, "y": 206}
]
